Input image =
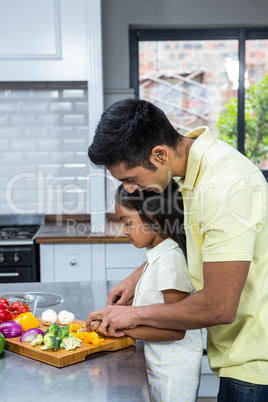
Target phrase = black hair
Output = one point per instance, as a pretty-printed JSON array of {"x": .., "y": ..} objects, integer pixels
[
  {"x": 162, "y": 213},
  {"x": 127, "y": 132}
]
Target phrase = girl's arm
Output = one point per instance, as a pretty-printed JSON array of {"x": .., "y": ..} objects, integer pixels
[{"x": 151, "y": 334}]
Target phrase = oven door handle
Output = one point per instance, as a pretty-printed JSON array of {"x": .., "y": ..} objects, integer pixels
[{"x": 9, "y": 274}]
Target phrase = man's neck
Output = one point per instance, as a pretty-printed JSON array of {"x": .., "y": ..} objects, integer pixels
[{"x": 181, "y": 155}]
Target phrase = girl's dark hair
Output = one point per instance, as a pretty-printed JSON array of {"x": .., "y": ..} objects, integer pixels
[
  {"x": 163, "y": 213},
  {"x": 127, "y": 132}
]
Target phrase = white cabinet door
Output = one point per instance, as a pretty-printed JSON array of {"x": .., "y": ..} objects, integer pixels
[
  {"x": 122, "y": 259},
  {"x": 209, "y": 383},
  {"x": 47, "y": 269},
  {"x": 65, "y": 262},
  {"x": 43, "y": 40},
  {"x": 72, "y": 262}
]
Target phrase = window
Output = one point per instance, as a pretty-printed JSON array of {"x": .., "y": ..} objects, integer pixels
[{"x": 214, "y": 77}]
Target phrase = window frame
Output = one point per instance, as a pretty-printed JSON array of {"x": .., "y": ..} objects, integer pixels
[{"x": 167, "y": 34}]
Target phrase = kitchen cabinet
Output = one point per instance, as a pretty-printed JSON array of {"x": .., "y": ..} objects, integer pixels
[
  {"x": 65, "y": 263},
  {"x": 88, "y": 261},
  {"x": 209, "y": 382},
  {"x": 122, "y": 260},
  {"x": 43, "y": 40}
]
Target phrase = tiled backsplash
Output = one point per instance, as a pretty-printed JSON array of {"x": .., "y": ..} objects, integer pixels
[{"x": 44, "y": 167}]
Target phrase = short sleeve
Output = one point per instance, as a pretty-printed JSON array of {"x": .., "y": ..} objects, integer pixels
[
  {"x": 172, "y": 272},
  {"x": 230, "y": 221}
]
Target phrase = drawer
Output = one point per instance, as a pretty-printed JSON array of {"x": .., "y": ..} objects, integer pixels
[{"x": 72, "y": 262}]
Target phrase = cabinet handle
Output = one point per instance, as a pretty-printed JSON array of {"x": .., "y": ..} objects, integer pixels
[
  {"x": 73, "y": 262},
  {"x": 11, "y": 274}
]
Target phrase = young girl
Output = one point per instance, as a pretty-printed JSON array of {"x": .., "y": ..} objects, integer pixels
[{"x": 173, "y": 358}]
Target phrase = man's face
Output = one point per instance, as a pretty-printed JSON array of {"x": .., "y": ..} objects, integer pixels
[{"x": 142, "y": 178}]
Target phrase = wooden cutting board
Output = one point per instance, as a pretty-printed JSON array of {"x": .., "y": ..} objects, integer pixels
[{"x": 62, "y": 357}]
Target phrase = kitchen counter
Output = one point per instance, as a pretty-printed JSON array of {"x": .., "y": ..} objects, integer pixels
[
  {"x": 105, "y": 376},
  {"x": 76, "y": 229}
]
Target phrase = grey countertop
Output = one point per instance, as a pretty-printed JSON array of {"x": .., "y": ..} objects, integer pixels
[{"x": 105, "y": 376}]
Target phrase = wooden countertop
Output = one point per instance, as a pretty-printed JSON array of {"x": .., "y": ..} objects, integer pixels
[{"x": 76, "y": 229}]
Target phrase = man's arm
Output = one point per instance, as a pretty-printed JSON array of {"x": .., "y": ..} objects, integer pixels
[
  {"x": 124, "y": 291},
  {"x": 215, "y": 304},
  {"x": 146, "y": 333}
]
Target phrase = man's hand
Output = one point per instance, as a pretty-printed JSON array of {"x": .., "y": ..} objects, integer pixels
[
  {"x": 112, "y": 319},
  {"x": 124, "y": 291}
]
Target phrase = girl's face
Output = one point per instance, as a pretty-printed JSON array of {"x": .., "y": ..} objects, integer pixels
[{"x": 138, "y": 232}]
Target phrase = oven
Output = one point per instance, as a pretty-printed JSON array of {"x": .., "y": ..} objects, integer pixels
[{"x": 19, "y": 255}]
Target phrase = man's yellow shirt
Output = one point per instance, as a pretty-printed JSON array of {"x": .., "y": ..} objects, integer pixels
[{"x": 226, "y": 219}]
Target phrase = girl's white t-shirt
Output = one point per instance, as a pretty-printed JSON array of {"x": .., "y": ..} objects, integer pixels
[{"x": 173, "y": 367}]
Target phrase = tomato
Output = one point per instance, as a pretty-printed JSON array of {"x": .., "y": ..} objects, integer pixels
[
  {"x": 3, "y": 306},
  {"x": 4, "y": 301},
  {"x": 5, "y": 315},
  {"x": 14, "y": 306},
  {"x": 22, "y": 309}
]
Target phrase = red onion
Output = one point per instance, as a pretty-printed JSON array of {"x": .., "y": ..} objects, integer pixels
[
  {"x": 31, "y": 334},
  {"x": 10, "y": 329}
]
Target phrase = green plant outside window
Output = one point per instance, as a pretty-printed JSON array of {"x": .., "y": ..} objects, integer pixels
[{"x": 256, "y": 122}]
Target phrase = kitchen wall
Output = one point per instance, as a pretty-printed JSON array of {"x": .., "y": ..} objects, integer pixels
[{"x": 44, "y": 138}]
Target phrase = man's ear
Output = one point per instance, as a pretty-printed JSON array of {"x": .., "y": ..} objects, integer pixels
[{"x": 159, "y": 154}]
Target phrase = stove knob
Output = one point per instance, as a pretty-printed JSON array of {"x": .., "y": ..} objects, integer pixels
[
  {"x": 2, "y": 258},
  {"x": 16, "y": 258}
]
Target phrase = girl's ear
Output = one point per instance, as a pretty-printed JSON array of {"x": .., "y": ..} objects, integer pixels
[{"x": 159, "y": 154}]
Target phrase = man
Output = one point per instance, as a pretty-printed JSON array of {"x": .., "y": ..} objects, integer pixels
[{"x": 226, "y": 224}]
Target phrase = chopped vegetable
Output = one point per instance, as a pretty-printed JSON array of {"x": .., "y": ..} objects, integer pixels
[
  {"x": 70, "y": 343},
  {"x": 30, "y": 334},
  {"x": 90, "y": 337},
  {"x": 57, "y": 337},
  {"x": 51, "y": 343},
  {"x": 10, "y": 329},
  {"x": 2, "y": 343},
  {"x": 64, "y": 332},
  {"x": 53, "y": 330},
  {"x": 27, "y": 321},
  {"x": 38, "y": 340},
  {"x": 65, "y": 317},
  {"x": 74, "y": 327},
  {"x": 49, "y": 317}
]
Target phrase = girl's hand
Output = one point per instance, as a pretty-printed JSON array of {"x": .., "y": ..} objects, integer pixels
[
  {"x": 124, "y": 291},
  {"x": 112, "y": 319}
]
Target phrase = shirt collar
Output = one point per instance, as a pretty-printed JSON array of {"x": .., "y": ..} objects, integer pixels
[
  {"x": 156, "y": 252},
  {"x": 204, "y": 139}
]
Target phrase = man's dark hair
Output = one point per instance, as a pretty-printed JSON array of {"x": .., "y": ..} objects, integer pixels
[
  {"x": 162, "y": 213},
  {"x": 127, "y": 132}
]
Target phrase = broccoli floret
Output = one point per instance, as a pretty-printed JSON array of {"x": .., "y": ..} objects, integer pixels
[
  {"x": 38, "y": 340},
  {"x": 53, "y": 329},
  {"x": 51, "y": 343},
  {"x": 64, "y": 332},
  {"x": 70, "y": 343}
]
